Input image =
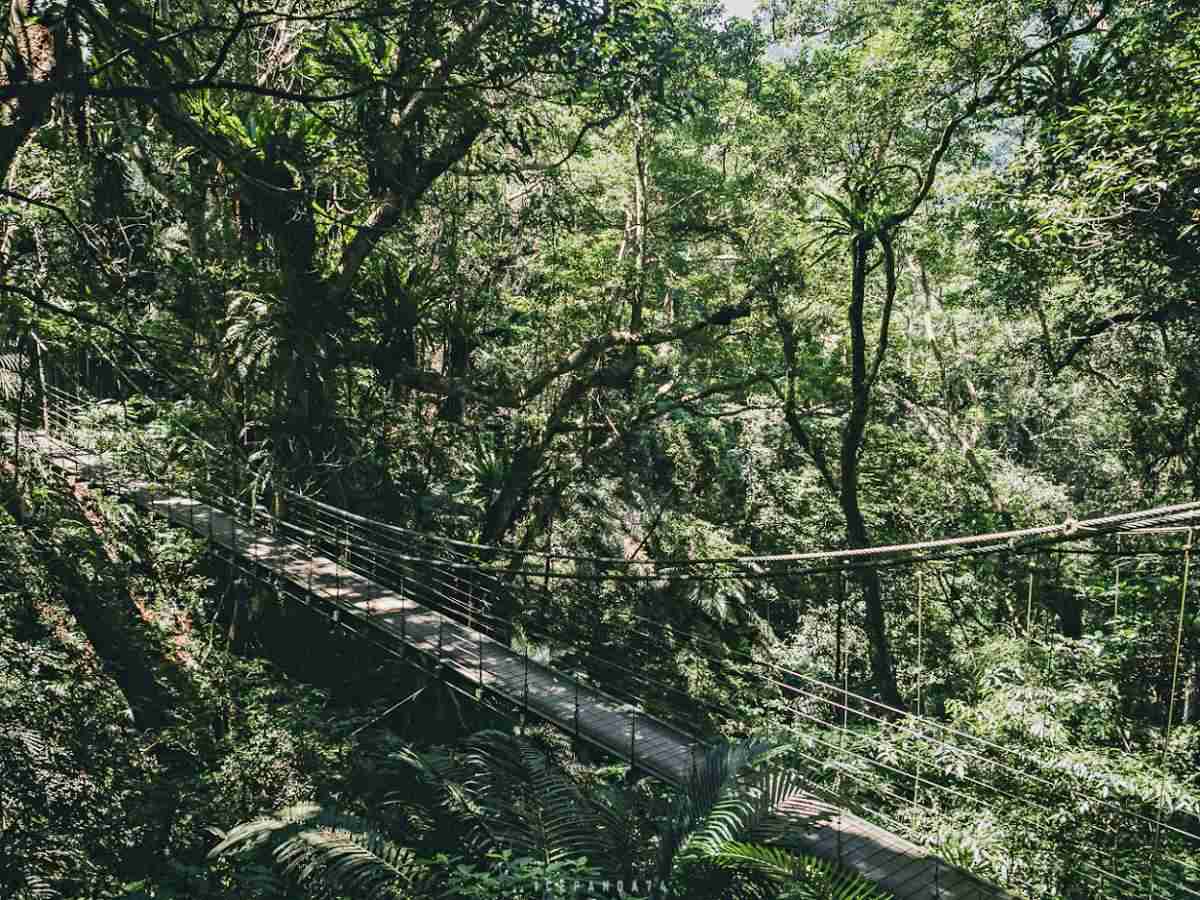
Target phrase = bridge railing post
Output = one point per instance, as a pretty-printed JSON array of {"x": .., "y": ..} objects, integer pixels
[
  {"x": 844, "y": 667},
  {"x": 308, "y": 551},
  {"x": 633, "y": 739},
  {"x": 234, "y": 538},
  {"x": 259, "y": 548},
  {"x": 576, "y": 722},
  {"x": 208, "y": 487},
  {"x": 373, "y": 585},
  {"x": 525, "y": 700}
]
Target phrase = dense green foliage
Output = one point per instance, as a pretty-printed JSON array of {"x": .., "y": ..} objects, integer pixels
[{"x": 632, "y": 281}]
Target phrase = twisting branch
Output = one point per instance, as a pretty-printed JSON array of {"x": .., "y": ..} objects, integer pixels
[
  {"x": 800, "y": 433},
  {"x": 999, "y": 85},
  {"x": 397, "y": 203},
  {"x": 129, "y": 338},
  {"x": 422, "y": 96},
  {"x": 889, "y": 302},
  {"x": 58, "y": 211}
]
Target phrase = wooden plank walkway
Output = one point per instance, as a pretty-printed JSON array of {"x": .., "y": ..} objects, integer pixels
[{"x": 904, "y": 869}]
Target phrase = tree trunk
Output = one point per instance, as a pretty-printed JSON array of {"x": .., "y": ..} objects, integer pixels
[
  {"x": 882, "y": 665},
  {"x": 20, "y": 510},
  {"x": 459, "y": 347},
  {"x": 305, "y": 439},
  {"x": 398, "y": 351},
  {"x": 503, "y": 511},
  {"x": 43, "y": 400},
  {"x": 641, "y": 206},
  {"x": 29, "y": 57}
]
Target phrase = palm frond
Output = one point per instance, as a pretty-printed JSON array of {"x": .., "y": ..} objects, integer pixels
[
  {"x": 775, "y": 862},
  {"x": 724, "y": 822},
  {"x": 721, "y": 768},
  {"x": 734, "y": 802},
  {"x": 713, "y": 806},
  {"x": 783, "y": 802}
]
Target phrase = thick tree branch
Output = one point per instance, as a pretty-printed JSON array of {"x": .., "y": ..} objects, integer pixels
[
  {"x": 397, "y": 203},
  {"x": 127, "y": 337},
  {"x": 591, "y": 349},
  {"x": 1176, "y": 309},
  {"x": 800, "y": 433},
  {"x": 436, "y": 384},
  {"x": 807, "y": 442},
  {"x": 420, "y": 98}
]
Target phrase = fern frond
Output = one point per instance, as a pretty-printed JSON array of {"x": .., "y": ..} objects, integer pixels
[
  {"x": 12, "y": 365},
  {"x": 784, "y": 803},
  {"x": 36, "y": 888},
  {"x": 251, "y": 333},
  {"x": 255, "y": 832},
  {"x": 310, "y": 843},
  {"x": 805, "y": 877},
  {"x": 359, "y": 861},
  {"x": 516, "y": 797}
]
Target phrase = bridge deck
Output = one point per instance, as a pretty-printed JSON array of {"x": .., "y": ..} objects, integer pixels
[{"x": 898, "y": 866}]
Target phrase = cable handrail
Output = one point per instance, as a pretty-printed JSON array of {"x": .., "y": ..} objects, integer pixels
[
  {"x": 1067, "y": 528},
  {"x": 1110, "y": 523}
]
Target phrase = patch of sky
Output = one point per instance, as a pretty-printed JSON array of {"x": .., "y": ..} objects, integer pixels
[{"x": 742, "y": 8}]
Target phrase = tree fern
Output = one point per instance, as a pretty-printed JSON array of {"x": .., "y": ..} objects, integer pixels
[{"x": 323, "y": 848}]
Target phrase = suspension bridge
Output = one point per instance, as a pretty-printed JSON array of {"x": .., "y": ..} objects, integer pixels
[{"x": 428, "y": 600}]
